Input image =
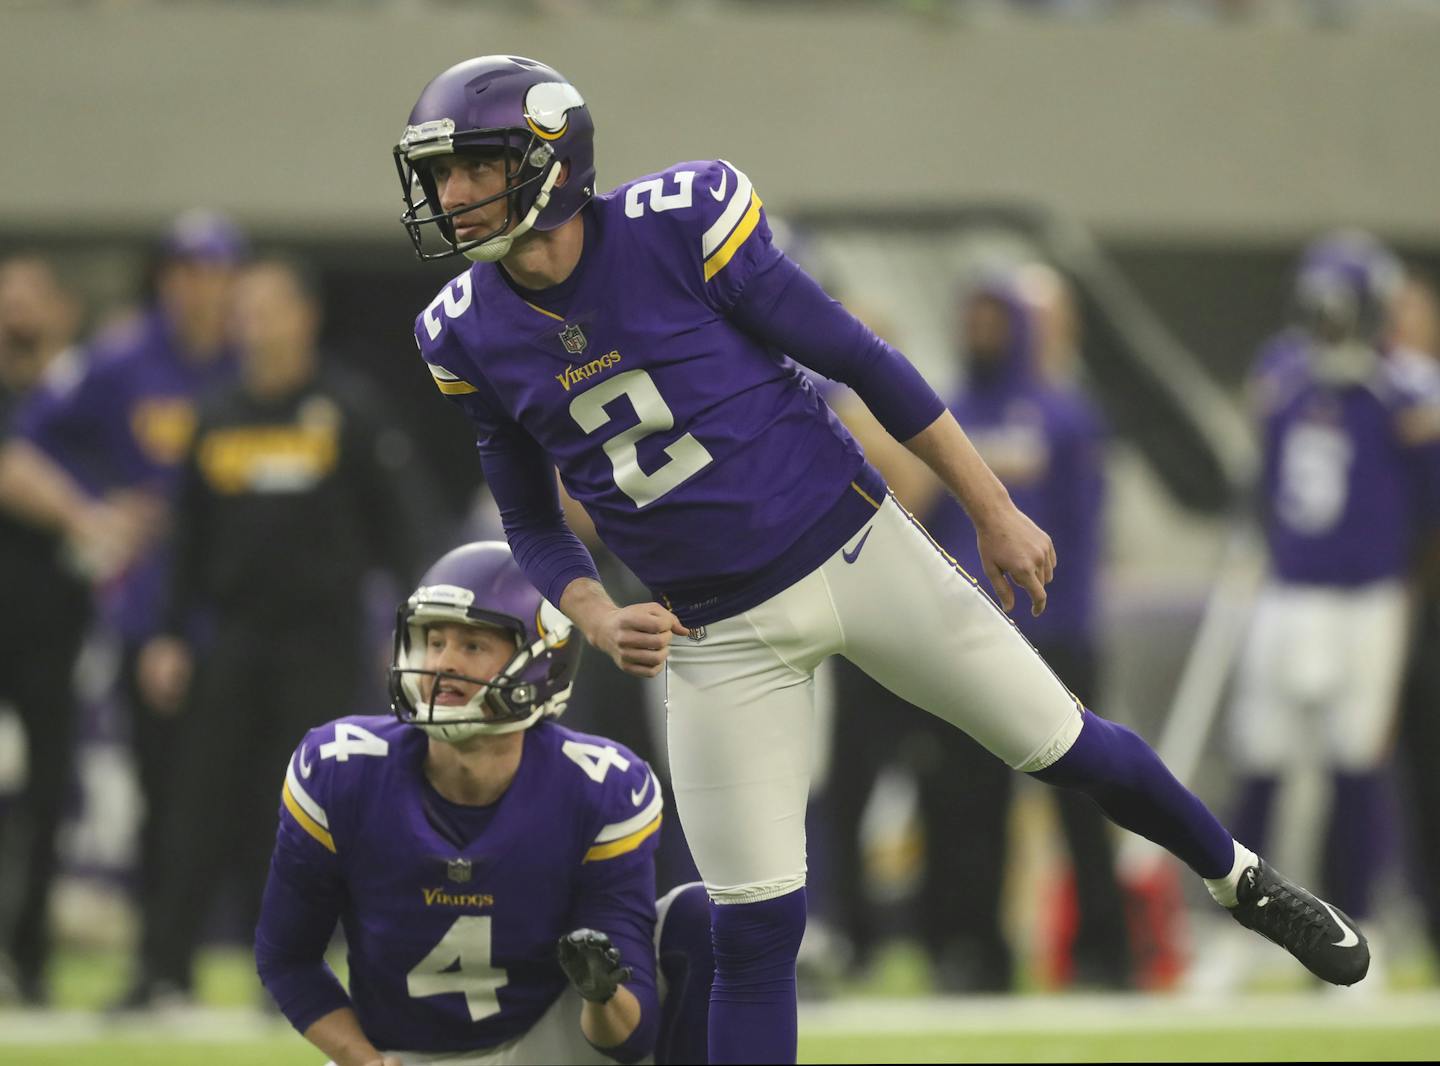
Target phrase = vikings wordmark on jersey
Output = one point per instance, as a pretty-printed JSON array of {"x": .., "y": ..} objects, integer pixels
[
  {"x": 702, "y": 454},
  {"x": 451, "y": 913}
]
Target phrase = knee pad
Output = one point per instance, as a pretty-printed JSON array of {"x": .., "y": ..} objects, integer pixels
[
  {"x": 687, "y": 970},
  {"x": 682, "y": 933},
  {"x": 756, "y": 944}
]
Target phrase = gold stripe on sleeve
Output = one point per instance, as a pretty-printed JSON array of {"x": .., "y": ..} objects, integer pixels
[
  {"x": 624, "y": 844},
  {"x": 310, "y": 825},
  {"x": 726, "y": 251},
  {"x": 455, "y": 388}
]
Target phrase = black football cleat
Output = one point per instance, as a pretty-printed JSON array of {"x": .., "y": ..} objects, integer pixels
[{"x": 1323, "y": 938}]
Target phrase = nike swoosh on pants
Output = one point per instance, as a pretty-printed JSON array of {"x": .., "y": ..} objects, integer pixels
[{"x": 851, "y": 556}]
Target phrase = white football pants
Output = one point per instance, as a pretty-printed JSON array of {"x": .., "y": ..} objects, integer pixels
[
  {"x": 740, "y": 701},
  {"x": 1321, "y": 658}
]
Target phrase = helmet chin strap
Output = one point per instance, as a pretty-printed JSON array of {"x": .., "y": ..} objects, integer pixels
[{"x": 497, "y": 248}]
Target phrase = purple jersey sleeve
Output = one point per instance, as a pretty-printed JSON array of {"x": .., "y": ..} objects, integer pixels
[
  {"x": 519, "y": 474},
  {"x": 786, "y": 308},
  {"x": 747, "y": 278},
  {"x": 616, "y": 887},
  {"x": 302, "y": 899}
]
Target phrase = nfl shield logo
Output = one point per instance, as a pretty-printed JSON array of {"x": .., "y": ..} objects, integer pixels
[
  {"x": 458, "y": 870},
  {"x": 573, "y": 339}
]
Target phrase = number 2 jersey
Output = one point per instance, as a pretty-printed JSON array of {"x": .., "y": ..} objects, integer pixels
[
  {"x": 451, "y": 914},
  {"x": 656, "y": 379}
]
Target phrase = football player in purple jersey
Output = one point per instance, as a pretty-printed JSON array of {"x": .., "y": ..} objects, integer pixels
[
  {"x": 1350, "y": 465},
  {"x": 493, "y": 871},
  {"x": 645, "y": 343}
]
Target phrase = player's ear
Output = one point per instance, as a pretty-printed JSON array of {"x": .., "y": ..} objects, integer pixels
[{"x": 564, "y": 174}]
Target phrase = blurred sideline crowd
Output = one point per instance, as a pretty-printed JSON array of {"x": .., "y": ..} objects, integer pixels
[{"x": 200, "y": 489}]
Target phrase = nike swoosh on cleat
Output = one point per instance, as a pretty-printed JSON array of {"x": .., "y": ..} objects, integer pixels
[
  {"x": 638, "y": 794},
  {"x": 1349, "y": 940},
  {"x": 850, "y": 557},
  {"x": 719, "y": 193}
]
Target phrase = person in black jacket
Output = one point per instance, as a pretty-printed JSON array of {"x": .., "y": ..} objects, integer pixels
[
  {"x": 47, "y": 605},
  {"x": 293, "y": 491}
]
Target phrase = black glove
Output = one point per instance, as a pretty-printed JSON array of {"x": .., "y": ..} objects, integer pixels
[{"x": 592, "y": 963}]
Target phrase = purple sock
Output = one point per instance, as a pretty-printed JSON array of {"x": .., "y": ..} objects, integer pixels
[
  {"x": 1358, "y": 841},
  {"x": 1252, "y": 813},
  {"x": 752, "y": 1003},
  {"x": 1121, "y": 773},
  {"x": 687, "y": 960}
]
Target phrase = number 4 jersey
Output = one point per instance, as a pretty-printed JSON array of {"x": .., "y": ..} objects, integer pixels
[
  {"x": 452, "y": 913},
  {"x": 708, "y": 462}
]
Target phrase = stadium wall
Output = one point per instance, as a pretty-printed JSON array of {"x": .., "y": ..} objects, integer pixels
[{"x": 115, "y": 114}]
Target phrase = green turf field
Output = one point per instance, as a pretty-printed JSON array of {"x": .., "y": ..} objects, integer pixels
[
  {"x": 271, "y": 1045},
  {"x": 894, "y": 1023}
]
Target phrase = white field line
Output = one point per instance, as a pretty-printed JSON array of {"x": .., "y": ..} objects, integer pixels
[{"x": 1002, "y": 1015}]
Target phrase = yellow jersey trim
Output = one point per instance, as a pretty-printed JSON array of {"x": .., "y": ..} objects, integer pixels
[
  {"x": 726, "y": 251},
  {"x": 624, "y": 844},
  {"x": 547, "y": 314},
  {"x": 455, "y": 388},
  {"x": 310, "y": 825},
  {"x": 870, "y": 499}
]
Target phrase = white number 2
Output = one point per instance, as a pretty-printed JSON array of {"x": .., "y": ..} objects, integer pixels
[
  {"x": 653, "y": 189},
  {"x": 687, "y": 456},
  {"x": 454, "y": 300},
  {"x": 461, "y": 963},
  {"x": 595, "y": 760}
]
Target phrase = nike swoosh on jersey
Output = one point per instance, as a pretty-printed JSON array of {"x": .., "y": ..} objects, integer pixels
[
  {"x": 637, "y": 795},
  {"x": 851, "y": 556},
  {"x": 1349, "y": 940},
  {"x": 719, "y": 193},
  {"x": 305, "y": 767}
]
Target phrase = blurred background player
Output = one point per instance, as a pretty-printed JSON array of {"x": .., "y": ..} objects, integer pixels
[
  {"x": 1038, "y": 431},
  {"x": 48, "y": 604},
  {"x": 1351, "y": 462},
  {"x": 479, "y": 854},
  {"x": 293, "y": 490},
  {"x": 118, "y": 431}
]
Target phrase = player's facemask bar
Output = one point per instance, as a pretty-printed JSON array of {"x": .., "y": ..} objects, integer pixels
[{"x": 432, "y": 229}]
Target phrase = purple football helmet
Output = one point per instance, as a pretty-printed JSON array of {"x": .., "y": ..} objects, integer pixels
[
  {"x": 512, "y": 105},
  {"x": 1345, "y": 286},
  {"x": 480, "y": 584}
]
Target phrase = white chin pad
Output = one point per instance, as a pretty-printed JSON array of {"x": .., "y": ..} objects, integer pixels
[{"x": 491, "y": 251}]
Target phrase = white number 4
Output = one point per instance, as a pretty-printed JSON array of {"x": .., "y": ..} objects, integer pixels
[
  {"x": 351, "y": 739},
  {"x": 595, "y": 760},
  {"x": 461, "y": 963}
]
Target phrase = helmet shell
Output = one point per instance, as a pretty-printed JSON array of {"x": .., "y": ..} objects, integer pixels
[{"x": 504, "y": 102}]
